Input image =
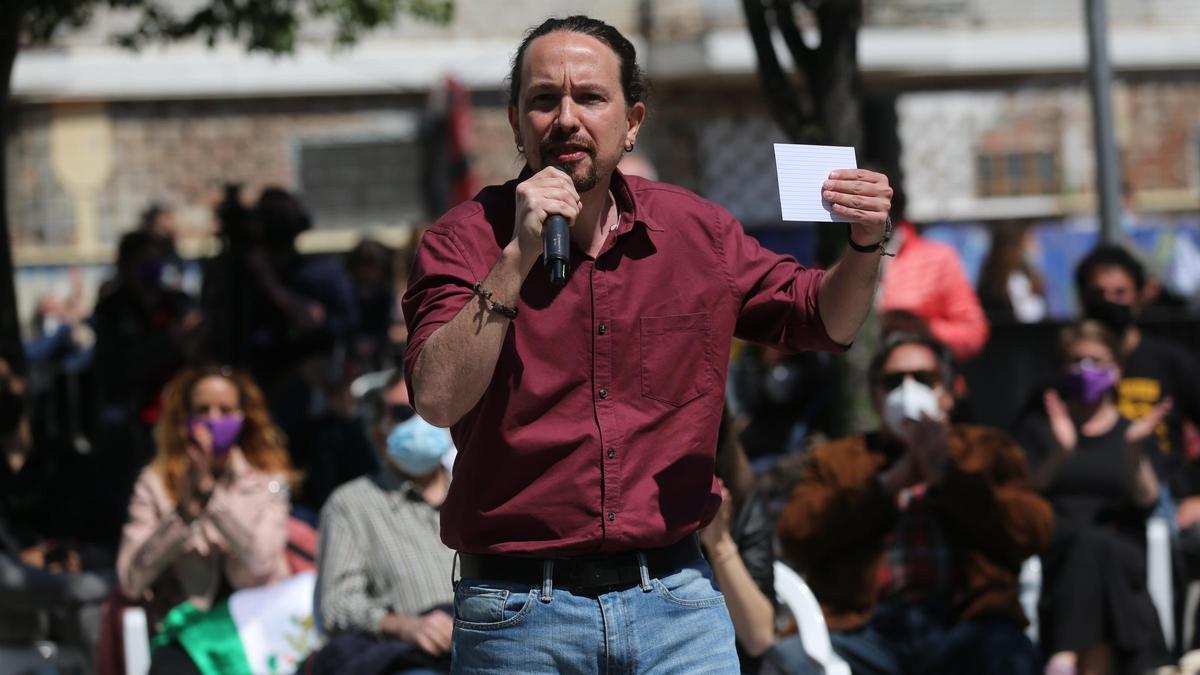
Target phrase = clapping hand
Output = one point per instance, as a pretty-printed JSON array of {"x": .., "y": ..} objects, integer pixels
[
  {"x": 1142, "y": 428},
  {"x": 198, "y": 482},
  {"x": 926, "y": 440},
  {"x": 1061, "y": 424}
]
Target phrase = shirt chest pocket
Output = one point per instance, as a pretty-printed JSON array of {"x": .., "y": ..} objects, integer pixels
[{"x": 676, "y": 353}]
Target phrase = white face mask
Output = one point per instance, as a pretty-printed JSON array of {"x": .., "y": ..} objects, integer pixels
[{"x": 909, "y": 401}]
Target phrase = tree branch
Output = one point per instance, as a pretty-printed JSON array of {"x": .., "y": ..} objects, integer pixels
[
  {"x": 780, "y": 91},
  {"x": 807, "y": 58}
]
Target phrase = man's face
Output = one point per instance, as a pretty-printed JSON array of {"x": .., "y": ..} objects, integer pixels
[
  {"x": 572, "y": 112},
  {"x": 397, "y": 408},
  {"x": 914, "y": 361},
  {"x": 1112, "y": 283}
]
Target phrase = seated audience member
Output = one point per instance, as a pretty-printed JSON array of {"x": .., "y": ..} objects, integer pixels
[
  {"x": 927, "y": 278},
  {"x": 383, "y": 575},
  {"x": 370, "y": 268},
  {"x": 209, "y": 515},
  {"x": 738, "y": 545},
  {"x": 1010, "y": 286},
  {"x": 1094, "y": 468},
  {"x": 48, "y": 590},
  {"x": 1112, "y": 286},
  {"x": 912, "y": 537}
]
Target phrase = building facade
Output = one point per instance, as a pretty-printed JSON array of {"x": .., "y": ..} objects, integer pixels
[{"x": 993, "y": 118}]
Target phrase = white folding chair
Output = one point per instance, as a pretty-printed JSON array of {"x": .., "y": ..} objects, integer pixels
[
  {"x": 1029, "y": 586},
  {"x": 795, "y": 594},
  {"x": 1158, "y": 575},
  {"x": 136, "y": 638}
]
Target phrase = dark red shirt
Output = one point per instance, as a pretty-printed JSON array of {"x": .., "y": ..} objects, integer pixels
[{"x": 598, "y": 430}]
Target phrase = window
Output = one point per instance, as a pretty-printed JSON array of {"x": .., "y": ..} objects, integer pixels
[
  {"x": 1017, "y": 174},
  {"x": 350, "y": 184}
]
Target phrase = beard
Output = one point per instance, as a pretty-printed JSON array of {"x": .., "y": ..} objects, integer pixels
[
  {"x": 585, "y": 176},
  {"x": 584, "y": 173}
]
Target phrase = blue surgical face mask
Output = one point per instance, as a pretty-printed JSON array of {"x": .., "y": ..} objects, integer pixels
[{"x": 416, "y": 446}]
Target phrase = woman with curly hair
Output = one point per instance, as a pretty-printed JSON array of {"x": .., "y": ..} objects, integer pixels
[{"x": 209, "y": 514}]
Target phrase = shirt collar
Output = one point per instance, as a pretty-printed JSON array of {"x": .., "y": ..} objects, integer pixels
[
  {"x": 627, "y": 206},
  {"x": 393, "y": 481}
]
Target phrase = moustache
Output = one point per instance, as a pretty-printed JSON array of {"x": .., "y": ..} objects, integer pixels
[{"x": 553, "y": 146}]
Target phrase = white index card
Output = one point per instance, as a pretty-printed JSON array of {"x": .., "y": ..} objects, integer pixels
[{"x": 802, "y": 170}]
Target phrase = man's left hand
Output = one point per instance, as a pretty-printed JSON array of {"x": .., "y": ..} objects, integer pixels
[{"x": 862, "y": 197}]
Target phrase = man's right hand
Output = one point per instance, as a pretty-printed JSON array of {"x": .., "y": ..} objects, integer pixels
[
  {"x": 430, "y": 632},
  {"x": 549, "y": 191}
]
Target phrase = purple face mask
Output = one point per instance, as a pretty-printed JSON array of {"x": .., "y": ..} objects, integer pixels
[
  {"x": 225, "y": 432},
  {"x": 1087, "y": 383}
]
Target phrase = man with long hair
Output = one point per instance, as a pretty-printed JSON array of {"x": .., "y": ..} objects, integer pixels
[{"x": 586, "y": 414}]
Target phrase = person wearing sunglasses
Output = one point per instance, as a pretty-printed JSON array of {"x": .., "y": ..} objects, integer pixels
[
  {"x": 912, "y": 536},
  {"x": 383, "y": 595}
]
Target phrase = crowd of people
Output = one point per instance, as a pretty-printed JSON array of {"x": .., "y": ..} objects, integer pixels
[{"x": 230, "y": 428}]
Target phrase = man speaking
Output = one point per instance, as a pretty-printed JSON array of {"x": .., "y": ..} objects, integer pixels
[{"x": 586, "y": 413}]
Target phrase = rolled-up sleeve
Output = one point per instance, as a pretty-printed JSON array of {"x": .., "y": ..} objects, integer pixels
[
  {"x": 776, "y": 296},
  {"x": 438, "y": 289}
]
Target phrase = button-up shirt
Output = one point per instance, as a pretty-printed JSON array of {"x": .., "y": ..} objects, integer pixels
[
  {"x": 597, "y": 432},
  {"x": 379, "y": 553}
]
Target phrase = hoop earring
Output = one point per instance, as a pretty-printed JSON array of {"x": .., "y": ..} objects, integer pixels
[
  {"x": 629, "y": 147},
  {"x": 520, "y": 148}
]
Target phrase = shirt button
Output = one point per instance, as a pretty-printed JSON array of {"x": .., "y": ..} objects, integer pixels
[
  {"x": 612, "y": 516},
  {"x": 611, "y": 453},
  {"x": 603, "y": 393},
  {"x": 603, "y": 329}
]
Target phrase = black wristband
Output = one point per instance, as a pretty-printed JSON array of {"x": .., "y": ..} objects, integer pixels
[
  {"x": 880, "y": 248},
  {"x": 859, "y": 247}
]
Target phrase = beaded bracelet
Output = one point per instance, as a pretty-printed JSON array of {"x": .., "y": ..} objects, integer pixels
[{"x": 503, "y": 310}]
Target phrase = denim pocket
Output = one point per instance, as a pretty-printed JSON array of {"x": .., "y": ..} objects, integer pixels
[
  {"x": 676, "y": 357},
  {"x": 482, "y": 606},
  {"x": 689, "y": 587}
]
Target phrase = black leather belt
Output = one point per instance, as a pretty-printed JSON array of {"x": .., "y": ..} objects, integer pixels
[{"x": 619, "y": 569}]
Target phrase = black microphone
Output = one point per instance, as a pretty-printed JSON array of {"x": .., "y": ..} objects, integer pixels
[{"x": 556, "y": 247}]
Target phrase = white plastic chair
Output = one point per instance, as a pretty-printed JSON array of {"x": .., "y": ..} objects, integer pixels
[
  {"x": 795, "y": 594},
  {"x": 1158, "y": 575},
  {"x": 136, "y": 638},
  {"x": 1029, "y": 586}
]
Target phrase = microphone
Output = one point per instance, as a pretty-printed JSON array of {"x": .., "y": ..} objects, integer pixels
[{"x": 556, "y": 248}]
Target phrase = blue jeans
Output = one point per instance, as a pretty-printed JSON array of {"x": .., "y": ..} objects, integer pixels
[
  {"x": 674, "y": 624},
  {"x": 910, "y": 639}
]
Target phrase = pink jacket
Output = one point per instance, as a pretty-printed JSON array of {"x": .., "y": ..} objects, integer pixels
[
  {"x": 243, "y": 534},
  {"x": 927, "y": 279}
]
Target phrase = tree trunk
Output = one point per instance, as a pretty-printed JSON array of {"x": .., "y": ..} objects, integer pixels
[
  {"x": 10, "y": 324},
  {"x": 839, "y": 94}
]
